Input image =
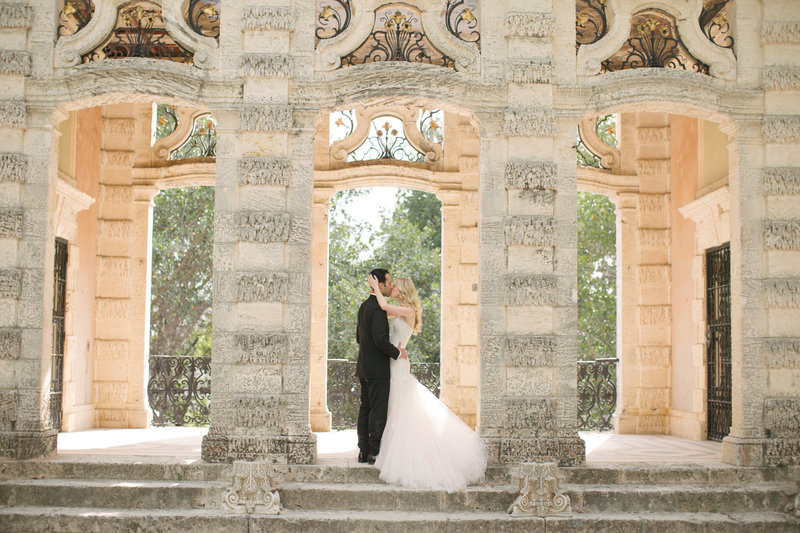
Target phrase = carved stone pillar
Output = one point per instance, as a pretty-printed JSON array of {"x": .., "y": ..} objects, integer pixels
[{"x": 318, "y": 373}]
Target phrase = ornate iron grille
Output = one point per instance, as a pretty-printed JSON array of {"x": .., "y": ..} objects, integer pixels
[
  {"x": 57, "y": 354},
  {"x": 344, "y": 389},
  {"x": 139, "y": 32},
  {"x": 653, "y": 42},
  {"x": 718, "y": 340},
  {"x": 179, "y": 390},
  {"x": 74, "y": 16},
  {"x": 397, "y": 36},
  {"x": 591, "y": 23},
  {"x": 386, "y": 141},
  {"x": 597, "y": 393},
  {"x": 461, "y": 19},
  {"x": 202, "y": 142},
  {"x": 333, "y": 17},
  {"x": 715, "y": 22},
  {"x": 203, "y": 17}
]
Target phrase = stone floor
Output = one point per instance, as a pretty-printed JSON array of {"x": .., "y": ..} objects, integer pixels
[{"x": 340, "y": 446}]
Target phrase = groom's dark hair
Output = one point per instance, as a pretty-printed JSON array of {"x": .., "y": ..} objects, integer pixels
[{"x": 380, "y": 273}]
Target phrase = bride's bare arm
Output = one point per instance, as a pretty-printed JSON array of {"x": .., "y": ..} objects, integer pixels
[{"x": 391, "y": 310}]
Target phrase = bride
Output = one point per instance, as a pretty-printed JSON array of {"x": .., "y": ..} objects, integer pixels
[{"x": 424, "y": 444}]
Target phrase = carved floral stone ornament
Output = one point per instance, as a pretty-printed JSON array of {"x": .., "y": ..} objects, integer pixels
[
  {"x": 173, "y": 30},
  {"x": 251, "y": 490},
  {"x": 540, "y": 494}
]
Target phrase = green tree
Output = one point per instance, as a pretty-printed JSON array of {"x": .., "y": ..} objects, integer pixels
[
  {"x": 597, "y": 292},
  {"x": 183, "y": 237},
  {"x": 407, "y": 243}
]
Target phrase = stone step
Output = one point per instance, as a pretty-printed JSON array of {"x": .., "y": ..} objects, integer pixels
[
  {"x": 116, "y": 494},
  {"x": 112, "y": 494},
  {"x": 150, "y": 468},
  {"x": 82, "y": 520}
]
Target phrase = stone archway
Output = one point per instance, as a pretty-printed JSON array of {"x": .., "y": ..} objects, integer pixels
[{"x": 452, "y": 176}]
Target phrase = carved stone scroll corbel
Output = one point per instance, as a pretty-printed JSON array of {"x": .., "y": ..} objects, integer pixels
[
  {"x": 609, "y": 155},
  {"x": 252, "y": 489},
  {"x": 540, "y": 493}
]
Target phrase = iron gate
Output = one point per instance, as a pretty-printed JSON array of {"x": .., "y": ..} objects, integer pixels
[
  {"x": 718, "y": 340},
  {"x": 57, "y": 354}
]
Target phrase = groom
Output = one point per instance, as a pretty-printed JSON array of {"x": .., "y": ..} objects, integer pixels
[{"x": 374, "y": 351}]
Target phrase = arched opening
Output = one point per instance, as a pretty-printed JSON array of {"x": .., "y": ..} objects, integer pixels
[{"x": 396, "y": 229}]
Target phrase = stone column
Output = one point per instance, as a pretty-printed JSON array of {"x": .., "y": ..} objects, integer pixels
[
  {"x": 318, "y": 373},
  {"x": 262, "y": 253}
]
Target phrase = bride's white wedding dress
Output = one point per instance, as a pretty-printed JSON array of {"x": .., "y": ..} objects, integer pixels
[{"x": 424, "y": 444}]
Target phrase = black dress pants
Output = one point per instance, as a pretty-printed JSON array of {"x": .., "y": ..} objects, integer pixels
[{"x": 372, "y": 414}]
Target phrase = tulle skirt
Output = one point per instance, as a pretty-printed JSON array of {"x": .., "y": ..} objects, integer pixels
[{"x": 424, "y": 444}]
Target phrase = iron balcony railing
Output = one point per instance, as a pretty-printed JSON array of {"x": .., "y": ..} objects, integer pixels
[
  {"x": 597, "y": 393},
  {"x": 179, "y": 390}
]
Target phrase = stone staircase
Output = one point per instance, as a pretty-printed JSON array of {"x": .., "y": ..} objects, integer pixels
[{"x": 71, "y": 494}]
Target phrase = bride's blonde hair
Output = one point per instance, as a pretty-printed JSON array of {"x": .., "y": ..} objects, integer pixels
[{"x": 408, "y": 296}]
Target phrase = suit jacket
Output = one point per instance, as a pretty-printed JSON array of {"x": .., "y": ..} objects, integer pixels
[{"x": 372, "y": 335}]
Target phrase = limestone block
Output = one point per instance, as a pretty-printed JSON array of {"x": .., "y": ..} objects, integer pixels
[
  {"x": 530, "y": 320},
  {"x": 529, "y": 24},
  {"x": 13, "y": 167},
  {"x": 16, "y": 15},
  {"x": 262, "y": 379},
  {"x": 530, "y": 71},
  {"x": 530, "y": 351},
  {"x": 10, "y": 283},
  {"x": 653, "y": 274},
  {"x": 117, "y": 158},
  {"x": 11, "y": 222},
  {"x": 527, "y": 259},
  {"x": 530, "y": 230},
  {"x": 256, "y": 411},
  {"x": 781, "y": 129},
  {"x": 780, "y": 322},
  {"x": 653, "y": 238},
  {"x": 263, "y": 227},
  {"x": 263, "y": 18},
  {"x": 110, "y": 393},
  {"x": 653, "y": 399},
  {"x": 781, "y": 77},
  {"x": 783, "y": 381},
  {"x": 782, "y": 353},
  {"x": 255, "y": 316},
  {"x": 780, "y": 32},
  {"x": 781, "y": 234},
  {"x": 531, "y": 174},
  {"x": 10, "y": 344},
  {"x": 265, "y": 118},
  {"x": 266, "y": 66},
  {"x": 13, "y": 114},
  {"x": 782, "y": 293},
  {"x": 653, "y": 203},
  {"x": 261, "y": 256},
  {"x": 531, "y": 290},
  {"x": 534, "y": 415},
  {"x": 271, "y": 287},
  {"x": 529, "y": 122},
  {"x": 468, "y": 324},
  {"x": 264, "y": 143},
  {"x": 525, "y": 381},
  {"x": 782, "y": 417},
  {"x": 531, "y": 202},
  {"x": 110, "y": 350}
]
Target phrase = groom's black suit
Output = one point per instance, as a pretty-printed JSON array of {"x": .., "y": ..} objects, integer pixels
[{"x": 374, "y": 351}]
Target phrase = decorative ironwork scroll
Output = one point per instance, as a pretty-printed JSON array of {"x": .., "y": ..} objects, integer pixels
[
  {"x": 386, "y": 140},
  {"x": 715, "y": 22},
  {"x": 343, "y": 123},
  {"x": 140, "y": 32},
  {"x": 203, "y": 17},
  {"x": 653, "y": 42},
  {"x": 718, "y": 341},
  {"x": 179, "y": 390},
  {"x": 397, "y": 36},
  {"x": 333, "y": 17},
  {"x": 344, "y": 389},
  {"x": 59, "y": 332},
  {"x": 431, "y": 124},
  {"x": 591, "y": 21},
  {"x": 74, "y": 15},
  {"x": 202, "y": 142},
  {"x": 461, "y": 17},
  {"x": 166, "y": 120},
  {"x": 597, "y": 393}
]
